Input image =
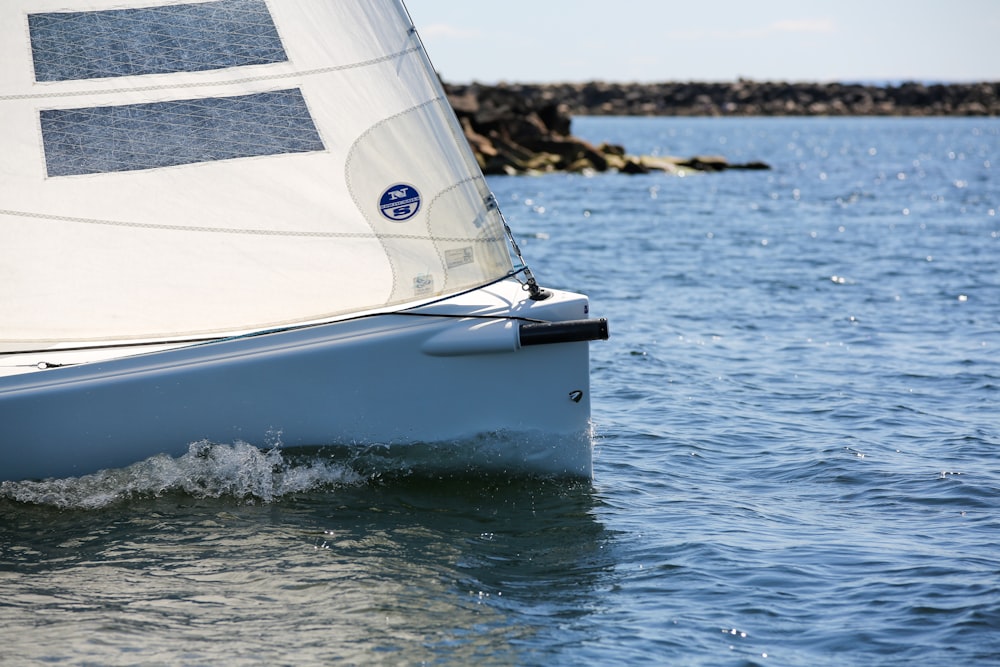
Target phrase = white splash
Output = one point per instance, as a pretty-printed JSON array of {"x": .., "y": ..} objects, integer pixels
[{"x": 208, "y": 470}]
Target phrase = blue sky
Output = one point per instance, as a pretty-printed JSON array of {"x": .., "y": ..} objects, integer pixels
[{"x": 711, "y": 40}]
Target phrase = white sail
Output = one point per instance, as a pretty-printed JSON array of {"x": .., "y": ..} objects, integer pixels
[{"x": 174, "y": 169}]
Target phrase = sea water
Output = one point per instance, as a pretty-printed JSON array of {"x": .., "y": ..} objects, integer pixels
[{"x": 797, "y": 424}]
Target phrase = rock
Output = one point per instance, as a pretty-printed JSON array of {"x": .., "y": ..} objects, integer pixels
[
  {"x": 659, "y": 163},
  {"x": 633, "y": 166},
  {"x": 705, "y": 163},
  {"x": 751, "y": 166},
  {"x": 749, "y": 98},
  {"x": 612, "y": 149},
  {"x": 516, "y": 130}
]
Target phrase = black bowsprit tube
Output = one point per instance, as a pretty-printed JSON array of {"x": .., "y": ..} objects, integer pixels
[{"x": 570, "y": 331}]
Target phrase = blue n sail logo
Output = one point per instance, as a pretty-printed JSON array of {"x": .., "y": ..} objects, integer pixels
[{"x": 399, "y": 202}]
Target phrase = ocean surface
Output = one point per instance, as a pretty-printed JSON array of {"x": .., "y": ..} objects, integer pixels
[{"x": 797, "y": 449}]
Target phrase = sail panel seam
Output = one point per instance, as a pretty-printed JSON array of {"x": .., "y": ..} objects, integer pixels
[
  {"x": 247, "y": 232},
  {"x": 207, "y": 84}
]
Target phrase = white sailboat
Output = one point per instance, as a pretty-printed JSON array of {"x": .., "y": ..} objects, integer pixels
[{"x": 226, "y": 220}]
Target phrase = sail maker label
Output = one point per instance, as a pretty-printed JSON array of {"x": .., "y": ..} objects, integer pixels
[{"x": 399, "y": 202}]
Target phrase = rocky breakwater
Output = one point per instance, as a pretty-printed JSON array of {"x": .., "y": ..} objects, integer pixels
[
  {"x": 764, "y": 98},
  {"x": 515, "y": 133}
]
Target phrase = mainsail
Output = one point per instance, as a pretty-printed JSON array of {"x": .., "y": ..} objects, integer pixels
[{"x": 174, "y": 169}]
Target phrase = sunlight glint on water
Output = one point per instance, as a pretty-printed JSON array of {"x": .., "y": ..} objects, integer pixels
[{"x": 796, "y": 433}]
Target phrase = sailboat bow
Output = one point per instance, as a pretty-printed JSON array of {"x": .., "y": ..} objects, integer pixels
[{"x": 220, "y": 220}]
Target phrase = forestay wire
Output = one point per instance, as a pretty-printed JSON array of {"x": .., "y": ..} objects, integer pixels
[{"x": 530, "y": 284}]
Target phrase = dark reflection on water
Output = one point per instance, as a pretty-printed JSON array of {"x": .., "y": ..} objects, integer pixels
[{"x": 413, "y": 569}]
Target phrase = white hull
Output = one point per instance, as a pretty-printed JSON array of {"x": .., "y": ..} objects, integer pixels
[{"x": 389, "y": 379}]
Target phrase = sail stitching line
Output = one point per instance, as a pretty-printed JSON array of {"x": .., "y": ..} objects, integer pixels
[
  {"x": 205, "y": 84},
  {"x": 353, "y": 191},
  {"x": 436, "y": 240},
  {"x": 249, "y": 232}
]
